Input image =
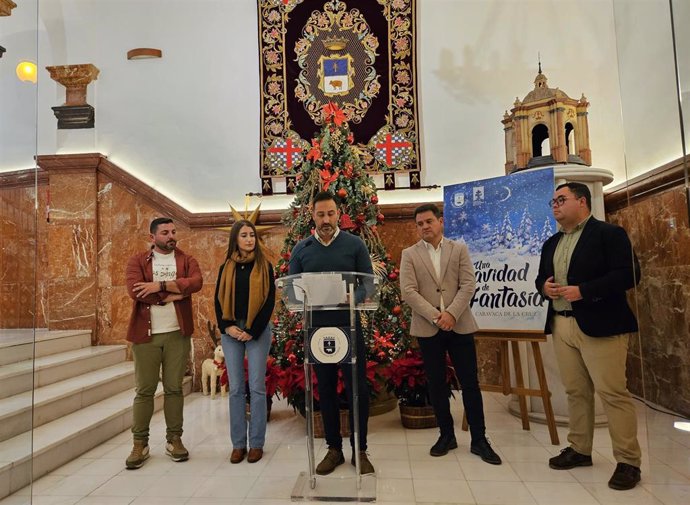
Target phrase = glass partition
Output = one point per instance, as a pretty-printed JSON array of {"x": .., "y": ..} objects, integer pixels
[
  {"x": 653, "y": 48},
  {"x": 19, "y": 244}
]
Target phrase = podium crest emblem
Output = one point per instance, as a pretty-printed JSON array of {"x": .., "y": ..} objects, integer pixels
[{"x": 329, "y": 345}]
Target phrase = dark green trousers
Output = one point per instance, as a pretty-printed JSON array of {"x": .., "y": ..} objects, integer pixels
[{"x": 171, "y": 352}]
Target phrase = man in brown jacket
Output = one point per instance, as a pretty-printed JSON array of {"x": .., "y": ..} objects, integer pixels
[
  {"x": 161, "y": 282},
  {"x": 437, "y": 282}
]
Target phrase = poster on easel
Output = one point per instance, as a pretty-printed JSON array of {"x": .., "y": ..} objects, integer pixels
[{"x": 504, "y": 221}]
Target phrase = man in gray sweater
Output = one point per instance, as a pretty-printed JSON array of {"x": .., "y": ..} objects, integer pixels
[{"x": 330, "y": 249}]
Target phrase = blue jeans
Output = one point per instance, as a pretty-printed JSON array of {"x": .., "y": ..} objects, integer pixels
[{"x": 257, "y": 353}]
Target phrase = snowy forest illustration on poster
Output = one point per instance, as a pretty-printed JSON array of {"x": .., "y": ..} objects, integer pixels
[{"x": 504, "y": 221}]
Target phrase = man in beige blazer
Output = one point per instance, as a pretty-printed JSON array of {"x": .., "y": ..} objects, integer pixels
[{"x": 437, "y": 282}]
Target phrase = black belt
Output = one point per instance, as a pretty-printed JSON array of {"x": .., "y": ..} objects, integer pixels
[{"x": 565, "y": 313}]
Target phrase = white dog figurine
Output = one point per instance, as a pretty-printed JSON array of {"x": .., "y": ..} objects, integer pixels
[{"x": 213, "y": 369}]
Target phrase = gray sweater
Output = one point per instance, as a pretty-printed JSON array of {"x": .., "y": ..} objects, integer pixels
[{"x": 346, "y": 253}]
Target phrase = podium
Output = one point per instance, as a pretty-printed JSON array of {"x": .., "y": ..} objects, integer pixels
[{"x": 316, "y": 295}]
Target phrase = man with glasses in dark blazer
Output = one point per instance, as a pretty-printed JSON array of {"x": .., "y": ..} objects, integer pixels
[{"x": 584, "y": 272}]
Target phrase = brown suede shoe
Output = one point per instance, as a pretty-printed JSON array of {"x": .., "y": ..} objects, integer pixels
[
  {"x": 365, "y": 466},
  {"x": 254, "y": 455},
  {"x": 333, "y": 458},
  {"x": 237, "y": 455}
]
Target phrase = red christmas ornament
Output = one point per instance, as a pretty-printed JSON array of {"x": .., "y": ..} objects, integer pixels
[
  {"x": 396, "y": 310},
  {"x": 350, "y": 138},
  {"x": 361, "y": 218},
  {"x": 342, "y": 192},
  {"x": 374, "y": 199},
  {"x": 380, "y": 218},
  {"x": 286, "y": 256},
  {"x": 284, "y": 267},
  {"x": 392, "y": 276},
  {"x": 292, "y": 358},
  {"x": 346, "y": 222}
]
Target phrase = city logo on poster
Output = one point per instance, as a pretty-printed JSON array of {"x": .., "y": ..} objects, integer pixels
[
  {"x": 478, "y": 195},
  {"x": 458, "y": 199}
]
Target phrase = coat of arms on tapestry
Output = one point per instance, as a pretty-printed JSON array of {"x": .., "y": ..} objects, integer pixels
[{"x": 358, "y": 54}]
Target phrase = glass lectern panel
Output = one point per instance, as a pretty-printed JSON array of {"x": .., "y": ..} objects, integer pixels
[
  {"x": 333, "y": 342},
  {"x": 329, "y": 291}
]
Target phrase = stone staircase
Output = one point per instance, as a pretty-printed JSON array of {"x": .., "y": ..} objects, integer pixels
[{"x": 74, "y": 395}]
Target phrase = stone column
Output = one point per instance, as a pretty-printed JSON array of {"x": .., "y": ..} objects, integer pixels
[{"x": 71, "y": 241}]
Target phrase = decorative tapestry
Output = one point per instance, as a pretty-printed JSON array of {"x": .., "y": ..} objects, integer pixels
[{"x": 358, "y": 54}]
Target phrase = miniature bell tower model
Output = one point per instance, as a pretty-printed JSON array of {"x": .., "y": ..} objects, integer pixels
[{"x": 546, "y": 128}]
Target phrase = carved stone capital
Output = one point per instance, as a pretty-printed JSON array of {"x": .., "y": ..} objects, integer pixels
[
  {"x": 6, "y": 7},
  {"x": 74, "y": 78}
]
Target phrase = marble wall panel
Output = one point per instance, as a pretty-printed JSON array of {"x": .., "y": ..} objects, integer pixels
[
  {"x": 659, "y": 357},
  {"x": 72, "y": 304},
  {"x": 72, "y": 198},
  {"x": 20, "y": 261},
  {"x": 71, "y": 251}
]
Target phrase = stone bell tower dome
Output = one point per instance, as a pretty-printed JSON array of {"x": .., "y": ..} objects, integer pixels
[{"x": 546, "y": 128}]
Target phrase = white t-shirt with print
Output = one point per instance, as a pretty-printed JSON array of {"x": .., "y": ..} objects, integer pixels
[{"x": 163, "y": 317}]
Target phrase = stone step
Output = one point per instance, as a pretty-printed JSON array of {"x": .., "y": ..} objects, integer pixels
[
  {"x": 62, "y": 398},
  {"x": 25, "y": 375},
  {"x": 62, "y": 440},
  {"x": 20, "y": 345}
]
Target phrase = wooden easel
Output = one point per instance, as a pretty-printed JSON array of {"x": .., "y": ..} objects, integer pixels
[{"x": 514, "y": 338}]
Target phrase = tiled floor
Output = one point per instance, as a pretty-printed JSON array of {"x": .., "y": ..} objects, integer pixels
[{"x": 405, "y": 471}]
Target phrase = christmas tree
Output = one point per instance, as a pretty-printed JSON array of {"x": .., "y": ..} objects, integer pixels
[{"x": 333, "y": 164}]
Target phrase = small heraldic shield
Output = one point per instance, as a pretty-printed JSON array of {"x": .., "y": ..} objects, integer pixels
[
  {"x": 328, "y": 345},
  {"x": 335, "y": 74},
  {"x": 458, "y": 199}
]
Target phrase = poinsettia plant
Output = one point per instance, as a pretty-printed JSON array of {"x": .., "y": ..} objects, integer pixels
[{"x": 408, "y": 381}]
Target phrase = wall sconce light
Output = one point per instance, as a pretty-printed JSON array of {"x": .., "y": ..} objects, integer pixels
[
  {"x": 27, "y": 71},
  {"x": 142, "y": 53},
  {"x": 682, "y": 425}
]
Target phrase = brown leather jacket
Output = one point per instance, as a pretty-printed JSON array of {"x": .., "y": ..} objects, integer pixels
[{"x": 189, "y": 280}]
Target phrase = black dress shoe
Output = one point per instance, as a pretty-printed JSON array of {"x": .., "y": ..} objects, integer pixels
[
  {"x": 482, "y": 448},
  {"x": 444, "y": 444},
  {"x": 569, "y": 458},
  {"x": 624, "y": 477}
]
